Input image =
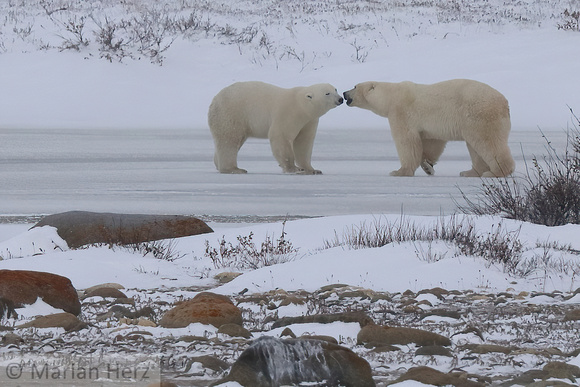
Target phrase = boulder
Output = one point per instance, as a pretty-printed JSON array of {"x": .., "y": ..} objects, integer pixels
[
  {"x": 377, "y": 335},
  {"x": 270, "y": 362},
  {"x": 80, "y": 228},
  {"x": 205, "y": 308},
  {"x": 430, "y": 376},
  {"x": 23, "y": 287},
  {"x": 58, "y": 320}
]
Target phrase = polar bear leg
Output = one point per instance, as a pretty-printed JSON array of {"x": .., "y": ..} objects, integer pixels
[
  {"x": 303, "y": 145},
  {"x": 409, "y": 148},
  {"x": 226, "y": 155},
  {"x": 478, "y": 165},
  {"x": 282, "y": 149},
  {"x": 432, "y": 150}
]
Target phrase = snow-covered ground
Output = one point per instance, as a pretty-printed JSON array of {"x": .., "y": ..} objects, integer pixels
[{"x": 80, "y": 132}]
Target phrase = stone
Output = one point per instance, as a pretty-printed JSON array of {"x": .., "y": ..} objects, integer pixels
[
  {"x": 81, "y": 228},
  {"x": 358, "y": 317},
  {"x": 207, "y": 361},
  {"x": 106, "y": 293},
  {"x": 269, "y": 361},
  {"x": 23, "y": 287},
  {"x": 226, "y": 276},
  {"x": 377, "y": 335},
  {"x": 561, "y": 370},
  {"x": 65, "y": 320},
  {"x": 433, "y": 350},
  {"x": 113, "y": 285},
  {"x": 573, "y": 315},
  {"x": 205, "y": 308},
  {"x": 11, "y": 339},
  {"x": 430, "y": 376},
  {"x": 235, "y": 330}
]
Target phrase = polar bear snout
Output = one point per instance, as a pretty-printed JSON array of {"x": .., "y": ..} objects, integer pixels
[
  {"x": 339, "y": 101},
  {"x": 347, "y": 98}
]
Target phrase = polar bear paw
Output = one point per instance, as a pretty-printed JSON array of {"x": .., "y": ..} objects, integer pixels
[
  {"x": 309, "y": 172},
  {"x": 402, "y": 172},
  {"x": 427, "y": 166},
  {"x": 234, "y": 171}
]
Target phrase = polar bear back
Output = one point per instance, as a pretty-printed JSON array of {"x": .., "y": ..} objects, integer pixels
[
  {"x": 249, "y": 106},
  {"x": 446, "y": 110}
]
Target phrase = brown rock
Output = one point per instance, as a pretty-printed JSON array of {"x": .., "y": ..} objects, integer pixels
[
  {"x": 23, "y": 287},
  {"x": 58, "y": 320},
  {"x": 205, "y": 308},
  {"x": 80, "y": 228},
  {"x": 431, "y": 376},
  {"x": 273, "y": 362},
  {"x": 235, "y": 330},
  {"x": 377, "y": 335},
  {"x": 561, "y": 370},
  {"x": 572, "y": 315}
]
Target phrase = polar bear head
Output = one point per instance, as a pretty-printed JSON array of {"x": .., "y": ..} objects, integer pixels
[
  {"x": 365, "y": 96},
  {"x": 323, "y": 97}
]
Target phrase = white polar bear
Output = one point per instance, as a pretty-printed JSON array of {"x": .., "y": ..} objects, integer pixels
[
  {"x": 287, "y": 117},
  {"x": 424, "y": 117}
]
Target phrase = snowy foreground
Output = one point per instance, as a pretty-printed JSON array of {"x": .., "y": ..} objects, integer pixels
[{"x": 508, "y": 310}]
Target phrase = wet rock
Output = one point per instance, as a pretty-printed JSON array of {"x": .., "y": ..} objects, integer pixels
[
  {"x": 430, "y": 376},
  {"x": 67, "y": 321},
  {"x": 287, "y": 332},
  {"x": 7, "y": 309},
  {"x": 23, "y": 287},
  {"x": 80, "y": 228},
  {"x": 270, "y": 362},
  {"x": 377, "y": 335},
  {"x": 205, "y": 308}
]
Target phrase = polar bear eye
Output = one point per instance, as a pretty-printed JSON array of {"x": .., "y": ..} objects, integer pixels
[{"x": 327, "y": 93}]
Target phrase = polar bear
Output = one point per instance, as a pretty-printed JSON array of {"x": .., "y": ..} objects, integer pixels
[
  {"x": 424, "y": 117},
  {"x": 287, "y": 117}
]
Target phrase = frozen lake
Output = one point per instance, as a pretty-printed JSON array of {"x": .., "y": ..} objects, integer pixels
[{"x": 172, "y": 172}]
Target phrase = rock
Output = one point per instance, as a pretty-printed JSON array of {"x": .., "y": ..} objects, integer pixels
[
  {"x": 7, "y": 309},
  {"x": 113, "y": 285},
  {"x": 226, "y": 276},
  {"x": 561, "y": 370},
  {"x": 67, "y": 321},
  {"x": 489, "y": 348},
  {"x": 572, "y": 315},
  {"x": 205, "y": 308},
  {"x": 234, "y": 330},
  {"x": 271, "y": 362},
  {"x": 12, "y": 339},
  {"x": 23, "y": 287},
  {"x": 106, "y": 293},
  {"x": 430, "y": 376},
  {"x": 376, "y": 335},
  {"x": 207, "y": 361},
  {"x": 433, "y": 350},
  {"x": 288, "y": 332},
  {"x": 80, "y": 228},
  {"x": 357, "y": 317}
]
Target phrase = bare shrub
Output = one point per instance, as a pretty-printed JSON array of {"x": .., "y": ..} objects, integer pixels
[
  {"x": 498, "y": 246},
  {"x": 570, "y": 21},
  {"x": 549, "y": 194},
  {"x": 246, "y": 255}
]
